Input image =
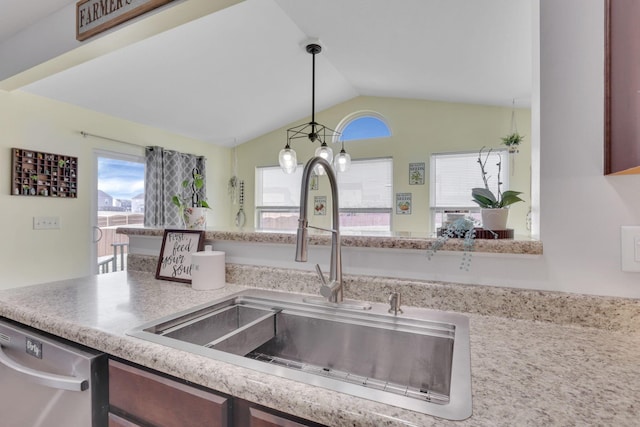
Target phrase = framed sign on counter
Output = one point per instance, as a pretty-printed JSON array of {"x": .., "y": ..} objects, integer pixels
[{"x": 174, "y": 262}]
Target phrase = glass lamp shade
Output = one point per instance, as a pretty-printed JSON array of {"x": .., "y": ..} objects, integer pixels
[
  {"x": 326, "y": 153},
  {"x": 342, "y": 162},
  {"x": 288, "y": 160}
]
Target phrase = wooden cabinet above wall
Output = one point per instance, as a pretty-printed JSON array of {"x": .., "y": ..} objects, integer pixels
[{"x": 622, "y": 87}]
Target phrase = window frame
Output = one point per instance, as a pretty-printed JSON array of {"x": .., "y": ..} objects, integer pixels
[
  {"x": 261, "y": 209},
  {"x": 346, "y": 121},
  {"x": 372, "y": 210},
  {"x": 436, "y": 213}
]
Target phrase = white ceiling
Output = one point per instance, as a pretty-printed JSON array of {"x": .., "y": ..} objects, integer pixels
[
  {"x": 19, "y": 14},
  {"x": 234, "y": 75}
]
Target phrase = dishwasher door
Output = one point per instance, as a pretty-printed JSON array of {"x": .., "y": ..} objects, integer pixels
[{"x": 45, "y": 382}]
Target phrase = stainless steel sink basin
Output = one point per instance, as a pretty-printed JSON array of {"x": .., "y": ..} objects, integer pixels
[{"x": 418, "y": 361}]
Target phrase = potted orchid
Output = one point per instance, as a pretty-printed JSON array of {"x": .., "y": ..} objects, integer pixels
[{"x": 494, "y": 210}]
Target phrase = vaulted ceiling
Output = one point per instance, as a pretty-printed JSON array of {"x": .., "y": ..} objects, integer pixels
[{"x": 239, "y": 73}]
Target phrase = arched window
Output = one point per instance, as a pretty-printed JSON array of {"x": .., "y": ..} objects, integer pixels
[{"x": 363, "y": 125}]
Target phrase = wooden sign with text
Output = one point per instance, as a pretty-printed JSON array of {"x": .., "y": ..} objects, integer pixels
[
  {"x": 174, "y": 262},
  {"x": 96, "y": 16}
]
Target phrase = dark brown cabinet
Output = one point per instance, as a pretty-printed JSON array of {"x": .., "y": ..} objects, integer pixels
[
  {"x": 247, "y": 414},
  {"x": 139, "y": 397},
  {"x": 35, "y": 173},
  {"x": 116, "y": 421},
  {"x": 622, "y": 87}
]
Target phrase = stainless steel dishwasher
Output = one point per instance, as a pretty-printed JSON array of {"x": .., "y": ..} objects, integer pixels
[{"x": 45, "y": 382}]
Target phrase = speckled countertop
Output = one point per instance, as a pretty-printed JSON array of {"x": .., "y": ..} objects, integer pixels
[
  {"x": 524, "y": 372},
  {"x": 383, "y": 241}
]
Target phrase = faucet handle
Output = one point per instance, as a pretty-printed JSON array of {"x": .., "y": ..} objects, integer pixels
[
  {"x": 320, "y": 275},
  {"x": 327, "y": 289}
]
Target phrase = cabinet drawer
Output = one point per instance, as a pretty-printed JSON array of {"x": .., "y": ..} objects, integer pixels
[
  {"x": 116, "y": 421},
  {"x": 248, "y": 414},
  {"x": 152, "y": 399},
  {"x": 260, "y": 418}
]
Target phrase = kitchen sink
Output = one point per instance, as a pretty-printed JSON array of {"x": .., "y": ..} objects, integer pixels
[{"x": 418, "y": 361}]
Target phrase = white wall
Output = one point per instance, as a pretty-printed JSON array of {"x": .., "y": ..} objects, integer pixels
[
  {"x": 28, "y": 256},
  {"x": 419, "y": 129},
  {"x": 581, "y": 210}
]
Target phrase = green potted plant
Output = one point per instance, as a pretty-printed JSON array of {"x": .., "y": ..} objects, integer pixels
[
  {"x": 512, "y": 141},
  {"x": 193, "y": 210},
  {"x": 460, "y": 228},
  {"x": 494, "y": 210}
]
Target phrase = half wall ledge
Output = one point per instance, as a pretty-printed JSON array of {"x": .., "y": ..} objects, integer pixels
[{"x": 386, "y": 241}]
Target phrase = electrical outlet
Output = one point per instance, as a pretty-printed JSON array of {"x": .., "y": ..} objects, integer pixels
[
  {"x": 630, "y": 248},
  {"x": 46, "y": 223}
]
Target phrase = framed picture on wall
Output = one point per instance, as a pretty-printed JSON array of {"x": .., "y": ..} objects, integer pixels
[
  {"x": 320, "y": 205},
  {"x": 416, "y": 173},
  {"x": 403, "y": 203},
  {"x": 174, "y": 262}
]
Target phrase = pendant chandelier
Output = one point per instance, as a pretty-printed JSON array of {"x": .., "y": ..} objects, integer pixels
[{"x": 314, "y": 131}]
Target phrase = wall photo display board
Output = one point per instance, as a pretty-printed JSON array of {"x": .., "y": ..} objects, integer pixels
[
  {"x": 174, "y": 262},
  {"x": 35, "y": 173}
]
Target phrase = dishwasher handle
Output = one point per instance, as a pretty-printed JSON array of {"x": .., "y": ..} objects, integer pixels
[{"x": 44, "y": 378}]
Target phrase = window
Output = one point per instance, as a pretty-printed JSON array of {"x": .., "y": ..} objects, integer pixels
[
  {"x": 365, "y": 193},
  {"x": 277, "y": 198},
  {"x": 363, "y": 125},
  {"x": 119, "y": 190},
  {"x": 120, "y": 186},
  {"x": 453, "y": 175}
]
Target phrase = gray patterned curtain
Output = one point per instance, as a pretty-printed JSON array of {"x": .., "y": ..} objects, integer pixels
[{"x": 164, "y": 172}]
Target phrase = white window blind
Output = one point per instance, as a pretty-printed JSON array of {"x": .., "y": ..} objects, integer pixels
[
  {"x": 277, "y": 189},
  {"x": 367, "y": 184},
  {"x": 453, "y": 175},
  {"x": 365, "y": 193}
]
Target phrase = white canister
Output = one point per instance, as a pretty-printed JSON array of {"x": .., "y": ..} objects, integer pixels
[{"x": 208, "y": 270}]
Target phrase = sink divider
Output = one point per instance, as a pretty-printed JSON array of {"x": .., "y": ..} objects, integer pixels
[{"x": 247, "y": 338}]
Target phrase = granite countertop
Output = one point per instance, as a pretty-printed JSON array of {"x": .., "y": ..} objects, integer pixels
[
  {"x": 400, "y": 240},
  {"x": 524, "y": 372}
]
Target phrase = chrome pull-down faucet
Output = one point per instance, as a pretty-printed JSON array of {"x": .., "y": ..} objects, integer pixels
[{"x": 333, "y": 289}]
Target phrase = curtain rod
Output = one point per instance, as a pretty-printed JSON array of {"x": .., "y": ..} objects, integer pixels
[{"x": 86, "y": 134}]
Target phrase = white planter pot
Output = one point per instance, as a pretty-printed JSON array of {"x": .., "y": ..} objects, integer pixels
[
  {"x": 195, "y": 218},
  {"x": 494, "y": 219}
]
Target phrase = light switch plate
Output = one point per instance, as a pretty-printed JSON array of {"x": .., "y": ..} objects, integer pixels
[
  {"x": 630, "y": 247},
  {"x": 46, "y": 223}
]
